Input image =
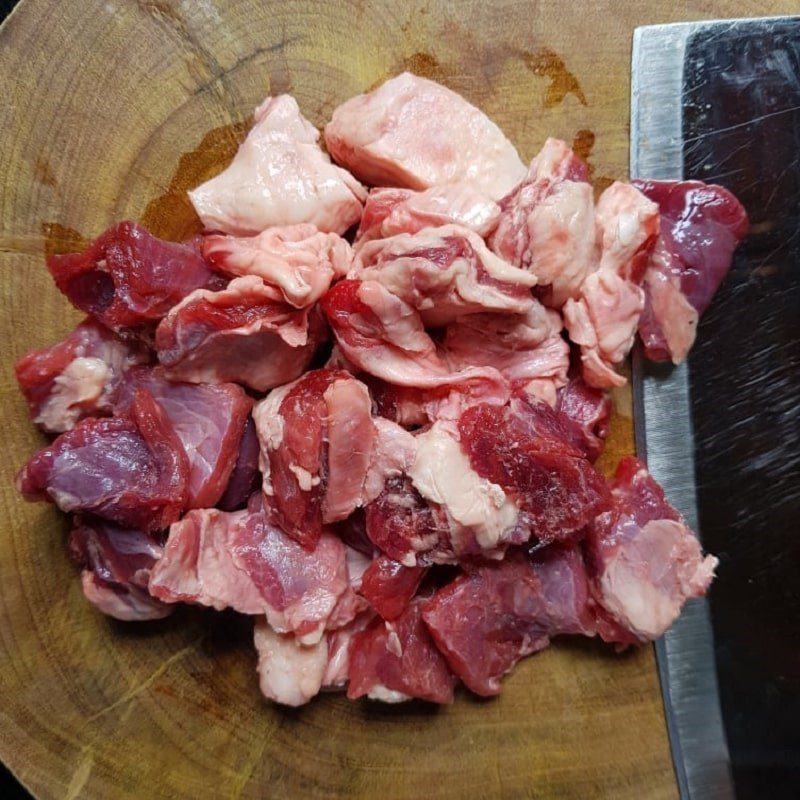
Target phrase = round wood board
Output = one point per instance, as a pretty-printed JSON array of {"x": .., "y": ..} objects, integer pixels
[{"x": 113, "y": 110}]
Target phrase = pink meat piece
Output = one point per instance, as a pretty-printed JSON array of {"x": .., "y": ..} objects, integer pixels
[
  {"x": 526, "y": 448},
  {"x": 415, "y": 133},
  {"x": 444, "y": 273},
  {"x": 128, "y": 279},
  {"x": 389, "y": 586},
  {"x": 77, "y": 377},
  {"x": 528, "y": 350},
  {"x": 398, "y": 660},
  {"x": 385, "y": 337},
  {"x": 116, "y": 566},
  {"x": 208, "y": 419},
  {"x": 389, "y": 212},
  {"x": 547, "y": 224},
  {"x": 245, "y": 475},
  {"x": 337, "y": 669},
  {"x": 590, "y": 412},
  {"x": 316, "y": 440},
  {"x": 246, "y": 334},
  {"x": 279, "y": 176},
  {"x": 701, "y": 226},
  {"x": 644, "y": 562},
  {"x": 298, "y": 260},
  {"x": 241, "y": 560},
  {"x": 604, "y": 317},
  {"x": 131, "y": 470}
]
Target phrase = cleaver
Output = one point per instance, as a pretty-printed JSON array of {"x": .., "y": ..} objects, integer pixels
[{"x": 720, "y": 102}]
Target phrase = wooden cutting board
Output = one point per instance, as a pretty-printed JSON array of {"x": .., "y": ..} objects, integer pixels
[{"x": 112, "y": 110}]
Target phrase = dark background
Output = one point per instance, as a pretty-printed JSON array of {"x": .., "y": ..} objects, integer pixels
[{"x": 746, "y": 395}]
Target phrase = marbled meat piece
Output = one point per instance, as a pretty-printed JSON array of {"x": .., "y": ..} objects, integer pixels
[
  {"x": 298, "y": 260},
  {"x": 77, "y": 377},
  {"x": 547, "y": 224},
  {"x": 444, "y": 273},
  {"x": 644, "y": 562},
  {"x": 128, "y": 279},
  {"x": 131, "y": 470},
  {"x": 701, "y": 226},
  {"x": 241, "y": 560},
  {"x": 279, "y": 176},
  {"x": 246, "y": 334},
  {"x": 414, "y": 133},
  {"x": 208, "y": 419},
  {"x": 390, "y": 211},
  {"x": 116, "y": 566},
  {"x": 398, "y": 660}
]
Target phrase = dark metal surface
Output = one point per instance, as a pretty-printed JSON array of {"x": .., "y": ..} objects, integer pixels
[{"x": 738, "y": 124}]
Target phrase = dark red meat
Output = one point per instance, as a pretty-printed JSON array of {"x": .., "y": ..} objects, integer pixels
[
  {"x": 131, "y": 470},
  {"x": 589, "y": 410},
  {"x": 117, "y": 563},
  {"x": 207, "y": 419},
  {"x": 245, "y": 477},
  {"x": 526, "y": 448},
  {"x": 399, "y": 656},
  {"x": 76, "y": 378},
  {"x": 128, "y": 279},
  {"x": 389, "y": 586}
]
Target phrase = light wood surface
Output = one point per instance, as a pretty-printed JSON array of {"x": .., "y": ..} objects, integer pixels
[{"x": 113, "y": 109}]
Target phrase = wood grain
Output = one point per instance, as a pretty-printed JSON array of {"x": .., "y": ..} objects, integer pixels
[{"x": 113, "y": 109}]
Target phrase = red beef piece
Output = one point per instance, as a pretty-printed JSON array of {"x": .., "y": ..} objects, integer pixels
[
  {"x": 399, "y": 657},
  {"x": 589, "y": 410},
  {"x": 130, "y": 470},
  {"x": 128, "y": 279},
  {"x": 245, "y": 476},
  {"x": 117, "y": 563},
  {"x": 207, "y": 419},
  {"x": 76, "y": 378},
  {"x": 389, "y": 586}
]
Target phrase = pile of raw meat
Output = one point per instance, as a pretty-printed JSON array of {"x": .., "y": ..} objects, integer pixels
[{"x": 368, "y": 418}]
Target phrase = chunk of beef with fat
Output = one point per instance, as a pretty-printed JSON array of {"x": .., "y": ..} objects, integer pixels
[
  {"x": 299, "y": 260},
  {"x": 128, "y": 279},
  {"x": 246, "y": 333},
  {"x": 241, "y": 560},
  {"x": 644, "y": 561},
  {"x": 414, "y": 133},
  {"x": 208, "y": 419},
  {"x": 116, "y": 566},
  {"x": 701, "y": 226},
  {"x": 279, "y": 176},
  {"x": 77, "y": 377},
  {"x": 131, "y": 470}
]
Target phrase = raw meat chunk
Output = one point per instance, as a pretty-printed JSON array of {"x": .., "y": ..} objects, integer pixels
[
  {"x": 590, "y": 412},
  {"x": 444, "y": 273},
  {"x": 77, "y": 377},
  {"x": 384, "y": 336},
  {"x": 526, "y": 449},
  {"x": 395, "y": 661},
  {"x": 604, "y": 318},
  {"x": 116, "y": 568},
  {"x": 391, "y": 211},
  {"x": 528, "y": 350},
  {"x": 279, "y": 176},
  {"x": 207, "y": 419},
  {"x": 298, "y": 260},
  {"x": 701, "y": 226},
  {"x": 389, "y": 586},
  {"x": 415, "y": 133},
  {"x": 393, "y": 452},
  {"x": 547, "y": 224},
  {"x": 644, "y": 561},
  {"x": 316, "y": 441},
  {"x": 241, "y": 560},
  {"x": 128, "y": 280},
  {"x": 245, "y": 476},
  {"x": 246, "y": 333},
  {"x": 132, "y": 471}
]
